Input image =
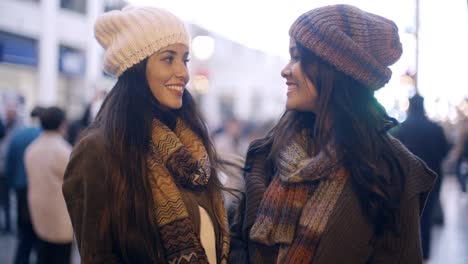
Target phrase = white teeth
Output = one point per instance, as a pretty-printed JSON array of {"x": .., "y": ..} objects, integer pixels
[{"x": 176, "y": 88}]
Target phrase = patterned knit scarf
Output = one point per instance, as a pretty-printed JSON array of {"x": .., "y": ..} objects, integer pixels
[
  {"x": 179, "y": 157},
  {"x": 297, "y": 204}
]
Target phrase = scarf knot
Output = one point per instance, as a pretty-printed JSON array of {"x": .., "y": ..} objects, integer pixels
[{"x": 183, "y": 154}]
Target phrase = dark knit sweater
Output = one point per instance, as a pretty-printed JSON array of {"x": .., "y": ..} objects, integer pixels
[{"x": 348, "y": 236}]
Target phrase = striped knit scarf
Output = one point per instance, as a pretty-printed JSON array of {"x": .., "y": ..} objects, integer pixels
[
  {"x": 179, "y": 158},
  {"x": 298, "y": 203}
]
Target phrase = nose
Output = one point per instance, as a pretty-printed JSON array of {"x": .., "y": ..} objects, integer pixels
[
  {"x": 286, "y": 71},
  {"x": 181, "y": 72}
]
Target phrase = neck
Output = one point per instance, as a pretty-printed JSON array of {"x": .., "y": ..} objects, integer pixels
[
  {"x": 416, "y": 116},
  {"x": 52, "y": 132}
]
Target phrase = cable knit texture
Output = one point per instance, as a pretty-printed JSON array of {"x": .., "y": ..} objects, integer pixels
[
  {"x": 359, "y": 44},
  {"x": 134, "y": 33}
]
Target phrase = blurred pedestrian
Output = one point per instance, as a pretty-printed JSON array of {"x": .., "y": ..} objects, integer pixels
[
  {"x": 230, "y": 175},
  {"x": 141, "y": 185},
  {"x": 460, "y": 153},
  {"x": 77, "y": 127},
  {"x": 18, "y": 181},
  {"x": 328, "y": 184},
  {"x": 426, "y": 140},
  {"x": 2, "y": 129},
  {"x": 228, "y": 141},
  {"x": 5, "y": 224},
  {"x": 12, "y": 123},
  {"x": 45, "y": 160}
]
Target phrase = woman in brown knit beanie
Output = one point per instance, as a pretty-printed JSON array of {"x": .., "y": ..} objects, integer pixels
[
  {"x": 141, "y": 185},
  {"x": 328, "y": 184}
]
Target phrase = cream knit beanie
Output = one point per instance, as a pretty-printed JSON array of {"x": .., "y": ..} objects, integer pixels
[{"x": 134, "y": 33}]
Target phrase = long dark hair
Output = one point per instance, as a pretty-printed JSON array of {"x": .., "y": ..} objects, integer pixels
[
  {"x": 126, "y": 120},
  {"x": 349, "y": 115}
]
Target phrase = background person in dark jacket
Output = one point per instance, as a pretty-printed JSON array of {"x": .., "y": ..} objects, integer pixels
[
  {"x": 12, "y": 123},
  {"x": 17, "y": 179},
  {"x": 3, "y": 188},
  {"x": 77, "y": 126},
  {"x": 2, "y": 129},
  {"x": 460, "y": 153},
  {"x": 427, "y": 140}
]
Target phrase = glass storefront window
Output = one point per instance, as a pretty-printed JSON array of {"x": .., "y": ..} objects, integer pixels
[
  {"x": 18, "y": 49},
  {"x": 74, "y": 5},
  {"x": 71, "y": 61},
  {"x": 113, "y": 4}
]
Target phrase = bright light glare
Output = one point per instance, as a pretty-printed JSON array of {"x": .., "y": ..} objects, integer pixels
[
  {"x": 203, "y": 47},
  {"x": 201, "y": 84}
]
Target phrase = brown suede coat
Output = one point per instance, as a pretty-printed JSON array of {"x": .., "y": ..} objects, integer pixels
[
  {"x": 348, "y": 236},
  {"x": 86, "y": 195}
]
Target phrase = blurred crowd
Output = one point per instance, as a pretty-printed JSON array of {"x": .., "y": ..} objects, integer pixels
[
  {"x": 234, "y": 135},
  {"x": 34, "y": 152}
]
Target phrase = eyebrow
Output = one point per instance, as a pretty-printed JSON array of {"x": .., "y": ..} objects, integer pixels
[{"x": 172, "y": 52}]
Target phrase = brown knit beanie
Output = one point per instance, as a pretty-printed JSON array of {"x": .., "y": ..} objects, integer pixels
[{"x": 359, "y": 44}]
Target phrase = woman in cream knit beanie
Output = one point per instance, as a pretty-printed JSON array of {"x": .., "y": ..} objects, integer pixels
[
  {"x": 141, "y": 185},
  {"x": 328, "y": 184}
]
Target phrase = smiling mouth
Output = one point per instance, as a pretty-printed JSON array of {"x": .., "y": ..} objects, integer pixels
[
  {"x": 176, "y": 88},
  {"x": 291, "y": 87}
]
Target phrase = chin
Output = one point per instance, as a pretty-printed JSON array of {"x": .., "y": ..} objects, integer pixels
[
  {"x": 299, "y": 107},
  {"x": 290, "y": 105},
  {"x": 177, "y": 106},
  {"x": 174, "y": 105}
]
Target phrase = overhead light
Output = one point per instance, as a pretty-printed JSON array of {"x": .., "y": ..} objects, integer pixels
[{"x": 203, "y": 47}]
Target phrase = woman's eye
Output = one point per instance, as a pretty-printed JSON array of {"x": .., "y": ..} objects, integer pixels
[
  {"x": 295, "y": 58},
  {"x": 186, "y": 61},
  {"x": 169, "y": 59}
]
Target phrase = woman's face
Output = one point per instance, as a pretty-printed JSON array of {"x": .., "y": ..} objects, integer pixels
[
  {"x": 302, "y": 93},
  {"x": 167, "y": 75}
]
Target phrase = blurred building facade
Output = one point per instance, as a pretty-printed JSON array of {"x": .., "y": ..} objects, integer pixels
[
  {"x": 47, "y": 51},
  {"x": 48, "y": 55},
  {"x": 234, "y": 80}
]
